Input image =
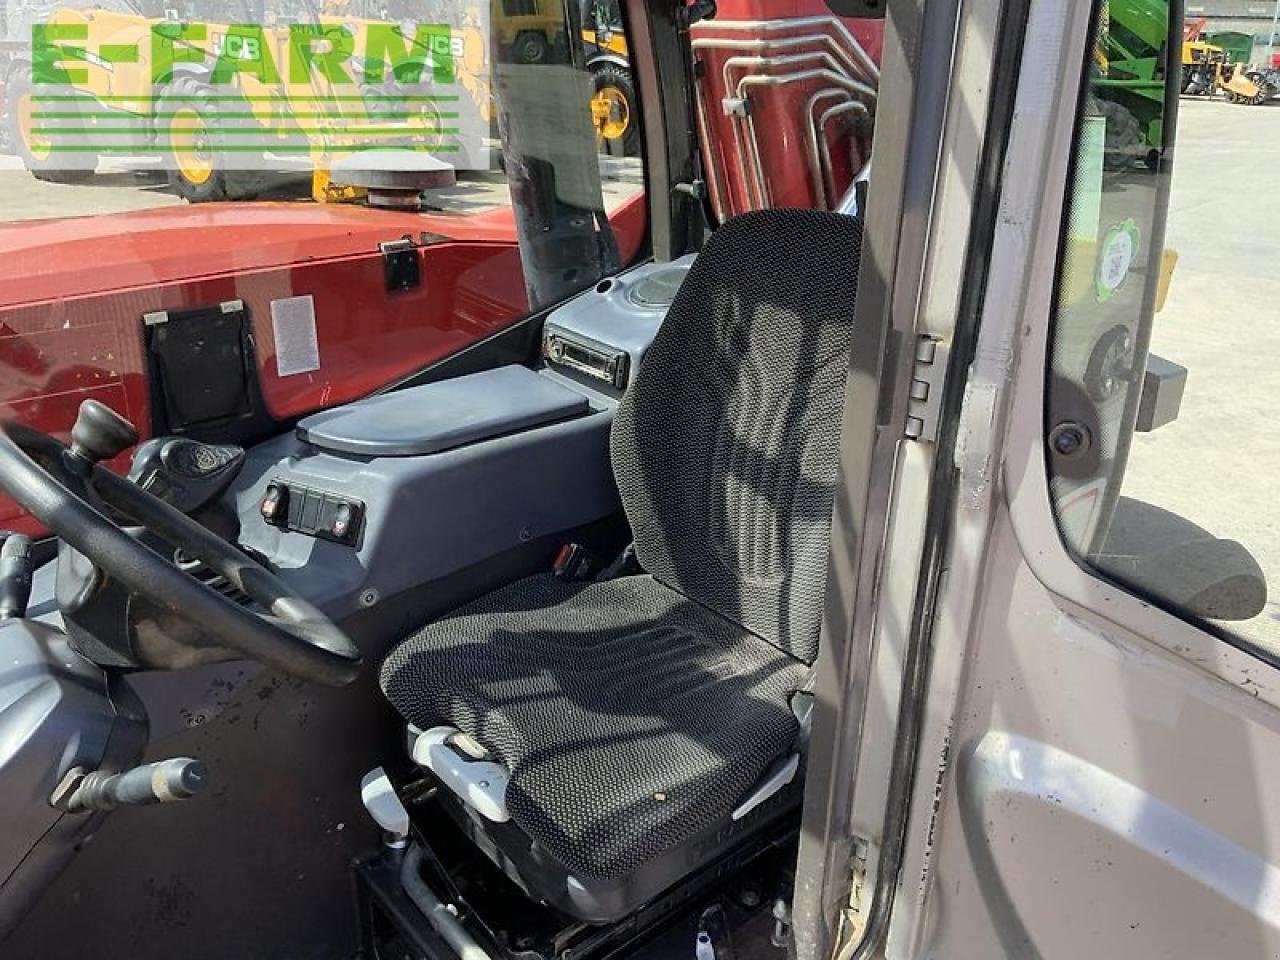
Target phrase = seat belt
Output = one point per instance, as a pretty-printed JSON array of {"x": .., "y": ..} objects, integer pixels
[
  {"x": 626, "y": 565},
  {"x": 575, "y": 563}
]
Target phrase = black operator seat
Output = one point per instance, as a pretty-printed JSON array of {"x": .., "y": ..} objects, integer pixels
[{"x": 637, "y": 718}]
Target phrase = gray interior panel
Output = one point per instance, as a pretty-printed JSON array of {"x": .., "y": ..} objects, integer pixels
[
  {"x": 443, "y": 416},
  {"x": 431, "y": 515},
  {"x": 621, "y": 314},
  {"x": 459, "y": 471}
]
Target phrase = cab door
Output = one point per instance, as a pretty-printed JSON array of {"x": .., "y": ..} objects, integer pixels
[{"x": 1055, "y": 730}]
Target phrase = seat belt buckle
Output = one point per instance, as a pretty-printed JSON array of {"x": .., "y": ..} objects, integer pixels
[
  {"x": 626, "y": 565},
  {"x": 574, "y": 562}
]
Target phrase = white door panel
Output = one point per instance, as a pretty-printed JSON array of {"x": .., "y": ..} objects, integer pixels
[
  {"x": 1096, "y": 776},
  {"x": 1108, "y": 799}
]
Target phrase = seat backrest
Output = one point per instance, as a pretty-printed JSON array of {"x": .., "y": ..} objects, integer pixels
[{"x": 725, "y": 448}]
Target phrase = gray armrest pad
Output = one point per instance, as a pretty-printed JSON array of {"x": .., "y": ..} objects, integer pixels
[{"x": 445, "y": 415}]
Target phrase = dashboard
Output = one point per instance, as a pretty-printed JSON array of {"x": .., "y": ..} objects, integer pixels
[{"x": 366, "y": 501}]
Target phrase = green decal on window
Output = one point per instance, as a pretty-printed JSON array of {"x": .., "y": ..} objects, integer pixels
[{"x": 1119, "y": 248}]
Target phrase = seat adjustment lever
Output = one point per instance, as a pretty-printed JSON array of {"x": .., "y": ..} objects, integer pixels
[{"x": 478, "y": 782}]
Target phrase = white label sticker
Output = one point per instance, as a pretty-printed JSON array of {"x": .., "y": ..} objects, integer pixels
[
  {"x": 1119, "y": 248},
  {"x": 1116, "y": 260},
  {"x": 293, "y": 321}
]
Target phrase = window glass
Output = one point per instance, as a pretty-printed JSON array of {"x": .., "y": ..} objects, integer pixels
[
  {"x": 1165, "y": 348},
  {"x": 239, "y": 165}
]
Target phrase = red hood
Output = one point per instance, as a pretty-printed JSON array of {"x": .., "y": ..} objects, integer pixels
[{"x": 55, "y": 259}]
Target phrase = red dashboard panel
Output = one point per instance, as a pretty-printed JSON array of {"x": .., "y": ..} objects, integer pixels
[{"x": 76, "y": 292}]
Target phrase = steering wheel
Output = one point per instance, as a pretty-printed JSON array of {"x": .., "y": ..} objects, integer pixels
[{"x": 41, "y": 474}]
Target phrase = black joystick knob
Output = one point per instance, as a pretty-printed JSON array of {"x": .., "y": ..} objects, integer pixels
[{"x": 100, "y": 433}]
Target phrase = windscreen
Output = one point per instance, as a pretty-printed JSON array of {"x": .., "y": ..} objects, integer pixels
[{"x": 346, "y": 192}]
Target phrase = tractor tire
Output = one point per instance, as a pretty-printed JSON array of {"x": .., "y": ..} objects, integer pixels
[
  {"x": 530, "y": 47},
  {"x": 188, "y": 139},
  {"x": 615, "y": 111},
  {"x": 36, "y": 153},
  {"x": 1124, "y": 141},
  {"x": 1264, "y": 88}
]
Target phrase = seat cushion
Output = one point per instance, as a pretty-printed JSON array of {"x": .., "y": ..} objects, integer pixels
[{"x": 630, "y": 717}]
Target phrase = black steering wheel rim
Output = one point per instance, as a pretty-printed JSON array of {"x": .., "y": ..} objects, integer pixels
[{"x": 292, "y": 636}]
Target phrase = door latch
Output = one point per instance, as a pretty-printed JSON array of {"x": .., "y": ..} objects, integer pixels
[
  {"x": 928, "y": 376},
  {"x": 400, "y": 264}
]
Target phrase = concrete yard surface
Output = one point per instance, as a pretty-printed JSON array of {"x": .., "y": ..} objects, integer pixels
[{"x": 1218, "y": 464}]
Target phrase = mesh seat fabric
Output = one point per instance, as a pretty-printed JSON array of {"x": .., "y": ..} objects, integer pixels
[
  {"x": 636, "y": 713},
  {"x": 629, "y": 716},
  {"x": 725, "y": 451}
]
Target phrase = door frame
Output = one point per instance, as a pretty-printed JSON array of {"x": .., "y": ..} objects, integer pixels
[
  {"x": 1002, "y": 478},
  {"x": 949, "y": 74}
]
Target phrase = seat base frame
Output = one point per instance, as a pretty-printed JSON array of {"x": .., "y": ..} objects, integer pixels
[
  {"x": 510, "y": 927},
  {"x": 715, "y": 852}
]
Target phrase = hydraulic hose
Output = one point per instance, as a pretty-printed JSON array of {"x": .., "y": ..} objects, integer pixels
[{"x": 438, "y": 915}]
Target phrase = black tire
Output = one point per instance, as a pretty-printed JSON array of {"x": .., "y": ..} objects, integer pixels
[
  {"x": 616, "y": 79},
  {"x": 1264, "y": 89},
  {"x": 61, "y": 168},
  {"x": 190, "y": 96},
  {"x": 531, "y": 46},
  {"x": 1124, "y": 140}
]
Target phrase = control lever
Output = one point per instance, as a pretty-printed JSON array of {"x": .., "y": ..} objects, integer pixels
[
  {"x": 185, "y": 473},
  {"x": 16, "y": 570},
  {"x": 167, "y": 781},
  {"x": 383, "y": 803},
  {"x": 100, "y": 434}
]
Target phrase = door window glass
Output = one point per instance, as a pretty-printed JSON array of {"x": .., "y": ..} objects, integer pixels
[{"x": 1164, "y": 460}]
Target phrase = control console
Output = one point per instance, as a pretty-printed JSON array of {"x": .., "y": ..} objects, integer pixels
[
  {"x": 185, "y": 473},
  {"x": 601, "y": 336}
]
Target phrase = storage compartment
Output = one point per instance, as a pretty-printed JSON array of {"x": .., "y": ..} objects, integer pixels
[
  {"x": 201, "y": 365},
  {"x": 443, "y": 416}
]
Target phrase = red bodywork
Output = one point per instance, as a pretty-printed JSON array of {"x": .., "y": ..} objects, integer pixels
[
  {"x": 75, "y": 291},
  {"x": 790, "y": 50}
]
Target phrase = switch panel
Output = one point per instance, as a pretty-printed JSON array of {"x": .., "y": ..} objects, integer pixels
[{"x": 314, "y": 513}]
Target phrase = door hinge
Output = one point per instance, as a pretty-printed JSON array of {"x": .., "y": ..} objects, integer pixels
[
  {"x": 696, "y": 188},
  {"x": 855, "y": 912},
  {"x": 928, "y": 377}
]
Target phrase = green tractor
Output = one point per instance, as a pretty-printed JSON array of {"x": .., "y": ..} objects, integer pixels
[{"x": 1130, "y": 86}]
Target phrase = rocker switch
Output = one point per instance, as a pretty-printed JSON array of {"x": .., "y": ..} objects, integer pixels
[
  {"x": 341, "y": 525},
  {"x": 273, "y": 504},
  {"x": 313, "y": 513}
]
